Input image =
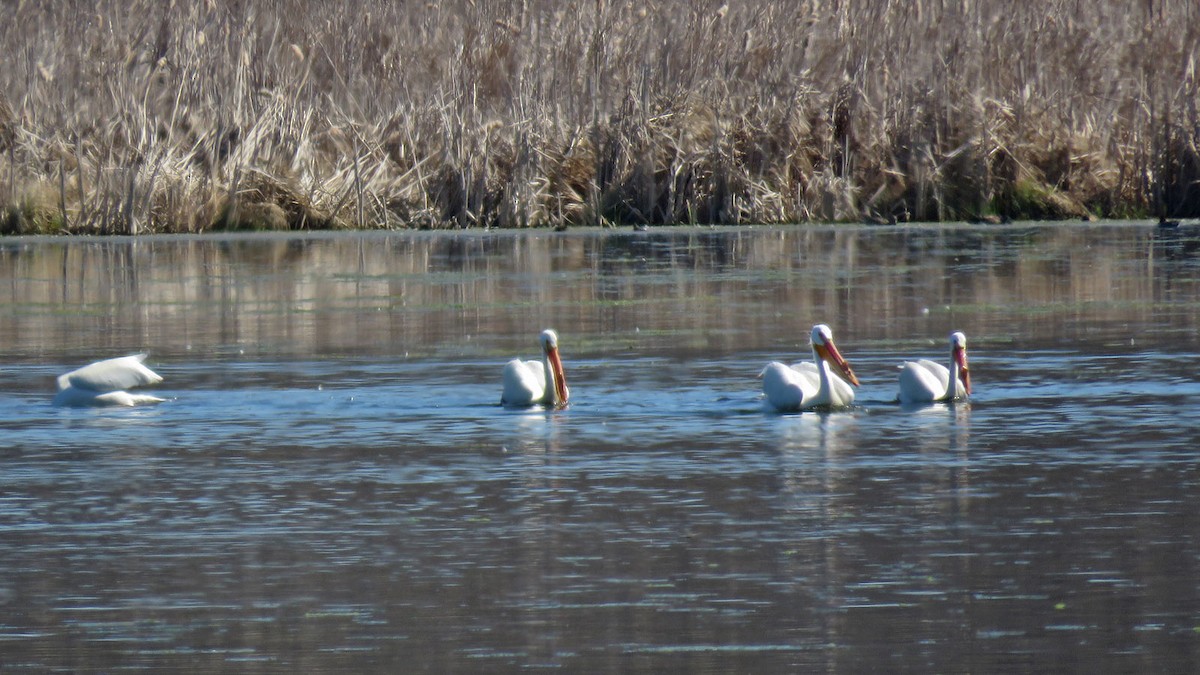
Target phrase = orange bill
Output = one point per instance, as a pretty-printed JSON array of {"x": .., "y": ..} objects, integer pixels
[
  {"x": 833, "y": 357},
  {"x": 560, "y": 379},
  {"x": 960, "y": 357}
]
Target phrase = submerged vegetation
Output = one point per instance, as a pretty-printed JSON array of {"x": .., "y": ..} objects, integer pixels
[{"x": 145, "y": 116}]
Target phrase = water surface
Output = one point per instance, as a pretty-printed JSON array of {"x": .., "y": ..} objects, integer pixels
[{"x": 332, "y": 485}]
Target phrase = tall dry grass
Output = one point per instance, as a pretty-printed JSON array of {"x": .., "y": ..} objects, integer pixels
[{"x": 146, "y": 116}]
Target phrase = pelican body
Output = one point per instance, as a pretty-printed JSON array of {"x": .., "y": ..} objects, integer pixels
[
  {"x": 541, "y": 382},
  {"x": 823, "y": 383},
  {"x": 926, "y": 381},
  {"x": 103, "y": 383}
]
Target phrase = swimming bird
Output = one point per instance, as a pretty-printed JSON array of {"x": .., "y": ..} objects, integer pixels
[
  {"x": 925, "y": 381},
  {"x": 529, "y": 383},
  {"x": 824, "y": 382},
  {"x": 103, "y": 383}
]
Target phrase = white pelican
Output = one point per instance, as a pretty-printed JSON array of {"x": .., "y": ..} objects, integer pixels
[
  {"x": 810, "y": 385},
  {"x": 103, "y": 383},
  {"x": 925, "y": 381},
  {"x": 528, "y": 383}
]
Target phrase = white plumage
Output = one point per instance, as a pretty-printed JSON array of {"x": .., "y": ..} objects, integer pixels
[
  {"x": 811, "y": 385},
  {"x": 925, "y": 381},
  {"x": 543, "y": 382},
  {"x": 103, "y": 383}
]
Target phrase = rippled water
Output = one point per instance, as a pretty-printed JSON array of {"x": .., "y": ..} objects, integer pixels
[{"x": 333, "y": 488}]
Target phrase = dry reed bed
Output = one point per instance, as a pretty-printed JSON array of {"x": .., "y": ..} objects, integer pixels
[{"x": 146, "y": 116}]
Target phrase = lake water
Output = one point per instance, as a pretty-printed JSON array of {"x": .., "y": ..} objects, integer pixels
[{"x": 333, "y": 487}]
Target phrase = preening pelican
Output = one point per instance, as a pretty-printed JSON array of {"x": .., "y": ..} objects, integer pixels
[
  {"x": 532, "y": 382},
  {"x": 810, "y": 385},
  {"x": 925, "y": 381},
  {"x": 103, "y": 383}
]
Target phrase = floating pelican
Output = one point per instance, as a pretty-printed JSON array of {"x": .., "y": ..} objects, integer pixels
[
  {"x": 528, "y": 383},
  {"x": 103, "y": 383},
  {"x": 810, "y": 385},
  {"x": 925, "y": 381}
]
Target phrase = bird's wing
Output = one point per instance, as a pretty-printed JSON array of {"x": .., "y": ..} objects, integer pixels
[
  {"x": 788, "y": 387},
  {"x": 806, "y": 372},
  {"x": 842, "y": 393},
  {"x": 116, "y": 374},
  {"x": 937, "y": 370},
  {"x": 923, "y": 381},
  {"x": 524, "y": 382}
]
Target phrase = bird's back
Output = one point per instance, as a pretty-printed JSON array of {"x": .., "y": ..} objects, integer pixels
[
  {"x": 788, "y": 387},
  {"x": 116, "y": 374},
  {"x": 923, "y": 381},
  {"x": 524, "y": 382}
]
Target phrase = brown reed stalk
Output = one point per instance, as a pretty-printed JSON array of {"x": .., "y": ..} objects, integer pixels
[{"x": 521, "y": 113}]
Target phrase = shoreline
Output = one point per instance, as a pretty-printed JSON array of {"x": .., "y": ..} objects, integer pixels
[{"x": 584, "y": 231}]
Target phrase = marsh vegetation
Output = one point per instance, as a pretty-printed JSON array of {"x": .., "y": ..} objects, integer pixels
[{"x": 140, "y": 116}]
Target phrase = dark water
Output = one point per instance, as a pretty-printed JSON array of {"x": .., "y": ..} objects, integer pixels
[{"x": 332, "y": 487}]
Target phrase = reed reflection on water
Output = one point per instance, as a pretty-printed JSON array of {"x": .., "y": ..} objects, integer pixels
[
  {"x": 334, "y": 486},
  {"x": 700, "y": 290}
]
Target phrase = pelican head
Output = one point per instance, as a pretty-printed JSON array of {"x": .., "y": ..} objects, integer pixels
[
  {"x": 823, "y": 347},
  {"x": 958, "y": 355},
  {"x": 559, "y": 392}
]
